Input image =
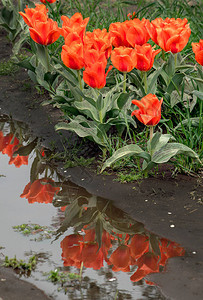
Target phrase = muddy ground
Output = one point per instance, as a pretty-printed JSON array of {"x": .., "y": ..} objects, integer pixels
[{"x": 170, "y": 201}]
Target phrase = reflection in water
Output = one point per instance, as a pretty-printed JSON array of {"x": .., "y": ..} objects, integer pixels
[{"x": 103, "y": 237}]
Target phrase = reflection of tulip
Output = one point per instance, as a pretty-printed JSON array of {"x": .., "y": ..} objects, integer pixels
[
  {"x": 75, "y": 24},
  {"x": 149, "y": 112},
  {"x": 169, "y": 249},
  {"x": 198, "y": 50},
  {"x": 170, "y": 34},
  {"x": 95, "y": 75},
  {"x": 41, "y": 190},
  {"x": 147, "y": 264},
  {"x": 45, "y": 33},
  {"x": 92, "y": 256},
  {"x": 71, "y": 247},
  {"x": 39, "y": 13},
  {"x": 123, "y": 59},
  {"x": 120, "y": 258},
  {"x": 9, "y": 149},
  {"x": 137, "y": 33},
  {"x": 145, "y": 55},
  {"x": 139, "y": 245}
]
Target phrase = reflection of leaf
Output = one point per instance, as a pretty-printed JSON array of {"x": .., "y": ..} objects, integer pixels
[
  {"x": 154, "y": 242},
  {"x": 26, "y": 150},
  {"x": 99, "y": 232}
]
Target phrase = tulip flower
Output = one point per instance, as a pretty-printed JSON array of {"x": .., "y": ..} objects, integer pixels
[
  {"x": 170, "y": 34},
  {"x": 118, "y": 32},
  {"x": 123, "y": 59},
  {"x": 145, "y": 55},
  {"x": 92, "y": 256},
  {"x": 74, "y": 24},
  {"x": 31, "y": 15},
  {"x": 92, "y": 56},
  {"x": 197, "y": 48},
  {"x": 41, "y": 190},
  {"x": 95, "y": 75},
  {"x": 45, "y": 33},
  {"x": 99, "y": 40},
  {"x": 137, "y": 33},
  {"x": 149, "y": 112},
  {"x": 72, "y": 55},
  {"x": 45, "y": 1}
]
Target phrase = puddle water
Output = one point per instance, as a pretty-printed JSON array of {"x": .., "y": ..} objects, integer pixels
[{"x": 89, "y": 248}]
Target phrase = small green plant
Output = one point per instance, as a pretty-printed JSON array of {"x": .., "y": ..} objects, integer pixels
[
  {"x": 7, "y": 67},
  {"x": 23, "y": 268},
  {"x": 43, "y": 232}
]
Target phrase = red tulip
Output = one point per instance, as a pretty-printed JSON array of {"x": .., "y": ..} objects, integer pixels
[
  {"x": 45, "y": 33},
  {"x": 95, "y": 75},
  {"x": 31, "y": 15},
  {"x": 123, "y": 59},
  {"x": 137, "y": 33},
  {"x": 145, "y": 55},
  {"x": 149, "y": 112},
  {"x": 71, "y": 247},
  {"x": 169, "y": 249},
  {"x": 41, "y": 190},
  {"x": 92, "y": 256},
  {"x": 197, "y": 48},
  {"x": 170, "y": 34},
  {"x": 118, "y": 32},
  {"x": 92, "y": 56}
]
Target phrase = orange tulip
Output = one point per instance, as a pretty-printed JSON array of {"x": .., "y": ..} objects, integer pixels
[
  {"x": 123, "y": 59},
  {"x": 118, "y": 32},
  {"x": 99, "y": 40},
  {"x": 169, "y": 249},
  {"x": 45, "y": 1},
  {"x": 197, "y": 48},
  {"x": 137, "y": 33},
  {"x": 170, "y": 34},
  {"x": 74, "y": 24},
  {"x": 145, "y": 55},
  {"x": 95, "y": 75},
  {"x": 92, "y": 56},
  {"x": 45, "y": 33},
  {"x": 72, "y": 55},
  {"x": 92, "y": 256},
  {"x": 41, "y": 190},
  {"x": 147, "y": 264},
  {"x": 31, "y": 15},
  {"x": 149, "y": 112}
]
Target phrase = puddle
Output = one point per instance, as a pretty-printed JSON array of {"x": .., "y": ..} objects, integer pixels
[{"x": 91, "y": 249}]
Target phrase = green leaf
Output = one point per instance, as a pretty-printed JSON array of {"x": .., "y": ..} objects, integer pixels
[
  {"x": 80, "y": 130},
  {"x": 152, "y": 80},
  {"x": 158, "y": 141},
  {"x": 43, "y": 56},
  {"x": 170, "y": 150},
  {"x": 154, "y": 242},
  {"x": 88, "y": 109},
  {"x": 99, "y": 232},
  {"x": 192, "y": 121},
  {"x": 128, "y": 150},
  {"x": 122, "y": 100},
  {"x": 198, "y": 94},
  {"x": 26, "y": 64}
]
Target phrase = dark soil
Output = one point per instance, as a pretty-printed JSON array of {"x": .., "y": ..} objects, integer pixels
[{"x": 156, "y": 202}]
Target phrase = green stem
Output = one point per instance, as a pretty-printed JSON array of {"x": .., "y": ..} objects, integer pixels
[
  {"x": 151, "y": 128},
  {"x": 80, "y": 82},
  {"x": 163, "y": 55},
  {"x": 145, "y": 82},
  {"x": 47, "y": 58},
  {"x": 124, "y": 82},
  {"x": 175, "y": 59}
]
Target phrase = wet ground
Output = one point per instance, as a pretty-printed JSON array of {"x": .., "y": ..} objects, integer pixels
[{"x": 169, "y": 207}]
